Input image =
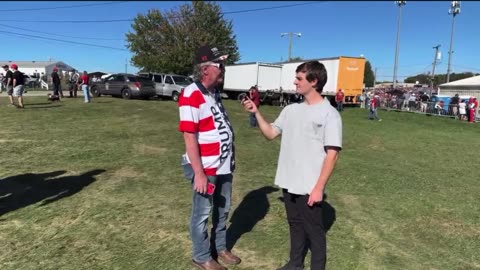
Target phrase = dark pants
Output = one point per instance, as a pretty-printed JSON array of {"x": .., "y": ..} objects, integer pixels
[
  {"x": 339, "y": 106},
  {"x": 306, "y": 231},
  {"x": 73, "y": 90},
  {"x": 253, "y": 120},
  {"x": 57, "y": 90}
]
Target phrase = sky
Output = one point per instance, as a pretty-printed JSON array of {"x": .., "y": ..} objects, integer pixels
[{"x": 328, "y": 29}]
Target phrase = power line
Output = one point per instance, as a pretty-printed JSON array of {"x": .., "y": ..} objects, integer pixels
[
  {"x": 47, "y": 33},
  {"x": 65, "y": 41},
  {"x": 63, "y": 7},
  {"x": 131, "y": 20},
  {"x": 267, "y": 8}
]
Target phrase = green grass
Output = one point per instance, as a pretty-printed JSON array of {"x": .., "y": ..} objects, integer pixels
[{"x": 99, "y": 186}]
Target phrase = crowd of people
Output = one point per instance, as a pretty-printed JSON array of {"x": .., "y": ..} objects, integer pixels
[
  {"x": 14, "y": 83},
  {"x": 464, "y": 108}
]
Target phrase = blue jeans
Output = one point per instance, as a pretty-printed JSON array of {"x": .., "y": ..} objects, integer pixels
[
  {"x": 373, "y": 114},
  {"x": 253, "y": 120},
  {"x": 219, "y": 204},
  {"x": 86, "y": 94},
  {"x": 339, "y": 106}
]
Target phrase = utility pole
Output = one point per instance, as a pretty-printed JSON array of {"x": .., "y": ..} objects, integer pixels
[
  {"x": 126, "y": 61},
  {"x": 454, "y": 10},
  {"x": 290, "y": 42},
  {"x": 399, "y": 4},
  {"x": 375, "y": 78},
  {"x": 434, "y": 64}
]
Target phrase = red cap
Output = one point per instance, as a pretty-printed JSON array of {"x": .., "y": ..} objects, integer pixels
[
  {"x": 55, "y": 69},
  {"x": 14, "y": 66}
]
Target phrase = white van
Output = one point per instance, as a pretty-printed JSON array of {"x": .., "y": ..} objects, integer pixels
[{"x": 168, "y": 85}]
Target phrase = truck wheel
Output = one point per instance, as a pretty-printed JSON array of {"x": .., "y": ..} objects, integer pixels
[
  {"x": 175, "y": 96},
  {"x": 126, "y": 94}
]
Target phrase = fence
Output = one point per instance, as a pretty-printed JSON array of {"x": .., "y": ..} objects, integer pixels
[{"x": 439, "y": 108}]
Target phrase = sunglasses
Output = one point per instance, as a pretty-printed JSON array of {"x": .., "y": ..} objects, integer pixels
[{"x": 218, "y": 65}]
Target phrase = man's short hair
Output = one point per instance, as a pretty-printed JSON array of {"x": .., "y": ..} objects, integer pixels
[{"x": 314, "y": 70}]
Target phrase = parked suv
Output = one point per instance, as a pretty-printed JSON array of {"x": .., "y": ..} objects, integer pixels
[
  {"x": 168, "y": 85},
  {"x": 124, "y": 85}
]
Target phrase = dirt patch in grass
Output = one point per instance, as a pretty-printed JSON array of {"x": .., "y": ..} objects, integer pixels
[
  {"x": 144, "y": 149},
  {"x": 126, "y": 172}
]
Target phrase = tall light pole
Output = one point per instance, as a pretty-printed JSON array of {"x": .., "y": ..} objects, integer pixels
[
  {"x": 290, "y": 42},
  {"x": 399, "y": 4},
  {"x": 454, "y": 10},
  {"x": 434, "y": 65}
]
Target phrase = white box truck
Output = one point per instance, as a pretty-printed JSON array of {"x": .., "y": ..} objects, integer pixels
[{"x": 276, "y": 80}]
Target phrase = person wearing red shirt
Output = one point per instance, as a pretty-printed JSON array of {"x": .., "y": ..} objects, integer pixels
[
  {"x": 339, "y": 100},
  {"x": 472, "y": 107},
  {"x": 85, "y": 87},
  {"x": 254, "y": 95},
  {"x": 373, "y": 109}
]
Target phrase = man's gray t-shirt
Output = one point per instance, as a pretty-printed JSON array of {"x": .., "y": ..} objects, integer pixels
[{"x": 306, "y": 130}]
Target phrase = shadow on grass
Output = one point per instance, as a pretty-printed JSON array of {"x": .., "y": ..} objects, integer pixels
[
  {"x": 253, "y": 208},
  {"x": 328, "y": 213},
  {"x": 26, "y": 189}
]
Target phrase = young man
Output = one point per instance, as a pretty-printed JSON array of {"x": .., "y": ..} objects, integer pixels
[
  {"x": 311, "y": 140},
  {"x": 210, "y": 158},
  {"x": 18, "y": 88},
  {"x": 8, "y": 81}
]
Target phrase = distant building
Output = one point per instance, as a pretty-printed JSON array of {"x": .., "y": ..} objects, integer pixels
[
  {"x": 38, "y": 68},
  {"x": 465, "y": 87}
]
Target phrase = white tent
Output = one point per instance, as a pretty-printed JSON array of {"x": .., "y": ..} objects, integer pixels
[{"x": 465, "y": 87}]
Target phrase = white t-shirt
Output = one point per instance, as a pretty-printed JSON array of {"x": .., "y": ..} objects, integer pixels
[
  {"x": 306, "y": 130},
  {"x": 461, "y": 108}
]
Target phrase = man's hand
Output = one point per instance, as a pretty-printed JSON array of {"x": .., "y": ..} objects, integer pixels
[
  {"x": 316, "y": 196},
  {"x": 249, "y": 105},
  {"x": 200, "y": 183}
]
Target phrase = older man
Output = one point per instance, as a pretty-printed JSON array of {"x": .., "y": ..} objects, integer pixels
[{"x": 210, "y": 158}]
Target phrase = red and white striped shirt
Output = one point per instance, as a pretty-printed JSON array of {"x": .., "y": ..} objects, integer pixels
[{"x": 202, "y": 112}]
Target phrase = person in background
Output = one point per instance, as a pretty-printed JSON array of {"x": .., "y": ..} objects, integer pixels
[
  {"x": 18, "y": 85},
  {"x": 73, "y": 84},
  {"x": 56, "y": 83},
  {"x": 8, "y": 81},
  {"x": 339, "y": 98},
  {"x": 255, "y": 97},
  {"x": 84, "y": 86},
  {"x": 462, "y": 110},
  {"x": 372, "y": 113}
]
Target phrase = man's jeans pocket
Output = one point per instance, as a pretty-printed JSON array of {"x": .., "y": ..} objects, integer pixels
[{"x": 187, "y": 169}]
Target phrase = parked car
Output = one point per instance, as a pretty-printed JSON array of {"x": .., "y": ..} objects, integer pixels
[
  {"x": 29, "y": 81},
  {"x": 125, "y": 85},
  {"x": 167, "y": 85}
]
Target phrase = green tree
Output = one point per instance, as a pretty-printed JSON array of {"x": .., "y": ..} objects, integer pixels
[
  {"x": 368, "y": 75},
  {"x": 439, "y": 78},
  {"x": 167, "y": 41},
  {"x": 295, "y": 59}
]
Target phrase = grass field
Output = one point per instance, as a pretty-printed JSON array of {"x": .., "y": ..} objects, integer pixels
[{"x": 99, "y": 186}]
